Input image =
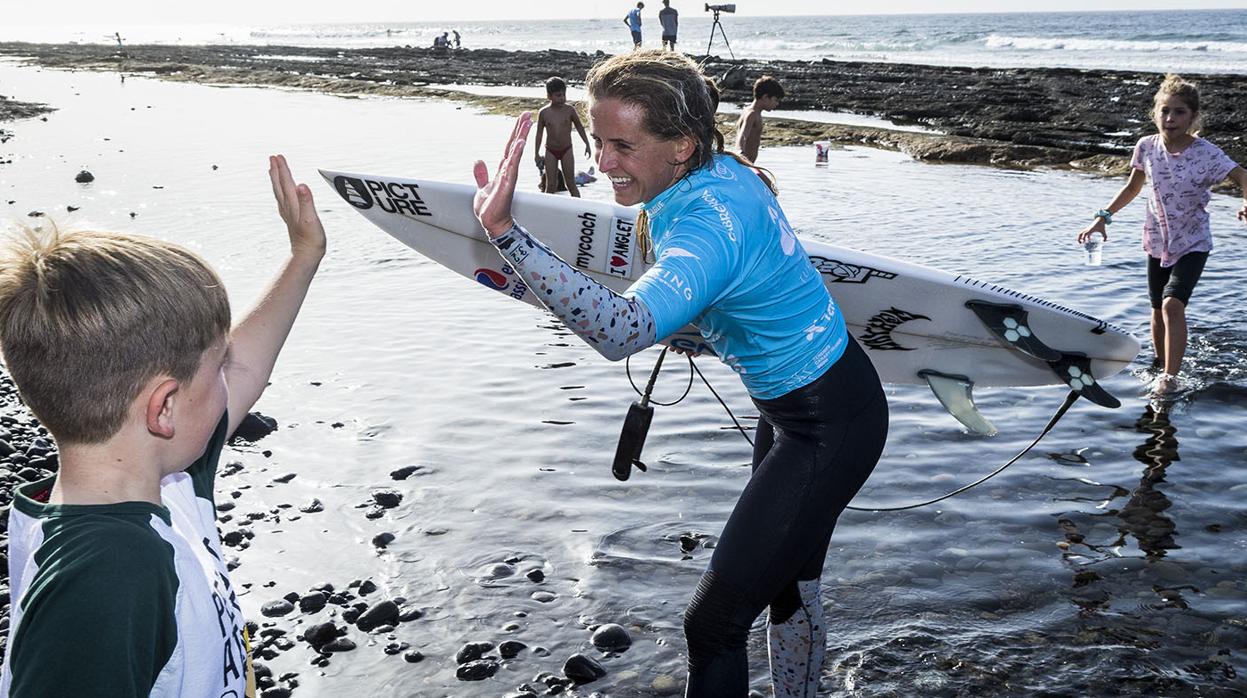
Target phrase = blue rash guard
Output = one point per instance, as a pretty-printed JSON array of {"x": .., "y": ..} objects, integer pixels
[{"x": 728, "y": 262}]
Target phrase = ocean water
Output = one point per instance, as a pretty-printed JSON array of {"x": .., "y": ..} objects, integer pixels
[
  {"x": 1195, "y": 41},
  {"x": 1110, "y": 561}
]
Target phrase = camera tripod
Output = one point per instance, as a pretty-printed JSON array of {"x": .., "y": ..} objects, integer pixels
[{"x": 718, "y": 25}]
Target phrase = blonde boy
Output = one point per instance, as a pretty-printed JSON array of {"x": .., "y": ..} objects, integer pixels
[{"x": 122, "y": 347}]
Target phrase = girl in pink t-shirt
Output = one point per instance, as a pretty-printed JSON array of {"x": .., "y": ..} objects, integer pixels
[{"x": 1180, "y": 169}]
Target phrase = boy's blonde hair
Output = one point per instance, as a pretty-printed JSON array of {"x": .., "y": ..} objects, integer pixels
[
  {"x": 88, "y": 318},
  {"x": 1185, "y": 90}
]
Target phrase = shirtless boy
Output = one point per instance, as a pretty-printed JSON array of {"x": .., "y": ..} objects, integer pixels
[
  {"x": 556, "y": 120},
  {"x": 767, "y": 94}
]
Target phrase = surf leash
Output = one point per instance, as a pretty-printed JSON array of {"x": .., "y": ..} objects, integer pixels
[{"x": 640, "y": 414}]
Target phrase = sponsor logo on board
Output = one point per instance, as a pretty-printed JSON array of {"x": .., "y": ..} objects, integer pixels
[
  {"x": 620, "y": 263},
  {"x": 843, "y": 272},
  {"x": 584, "y": 245},
  {"x": 879, "y": 328},
  {"x": 399, "y": 198},
  {"x": 354, "y": 191}
]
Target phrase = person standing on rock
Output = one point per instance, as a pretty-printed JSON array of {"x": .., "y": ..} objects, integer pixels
[
  {"x": 122, "y": 348},
  {"x": 725, "y": 252},
  {"x": 767, "y": 94},
  {"x": 1180, "y": 169},
  {"x": 669, "y": 18},
  {"x": 633, "y": 20}
]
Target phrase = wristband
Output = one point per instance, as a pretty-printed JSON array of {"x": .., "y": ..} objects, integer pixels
[{"x": 1105, "y": 214}]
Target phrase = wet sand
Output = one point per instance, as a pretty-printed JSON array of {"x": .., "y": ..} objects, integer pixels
[{"x": 1016, "y": 118}]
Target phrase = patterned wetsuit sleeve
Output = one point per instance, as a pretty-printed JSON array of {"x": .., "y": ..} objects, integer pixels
[
  {"x": 696, "y": 264},
  {"x": 614, "y": 325}
]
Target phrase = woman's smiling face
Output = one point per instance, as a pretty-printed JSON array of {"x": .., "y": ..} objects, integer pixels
[{"x": 640, "y": 164}]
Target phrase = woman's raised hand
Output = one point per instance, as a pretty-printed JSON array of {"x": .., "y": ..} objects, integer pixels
[{"x": 492, "y": 203}]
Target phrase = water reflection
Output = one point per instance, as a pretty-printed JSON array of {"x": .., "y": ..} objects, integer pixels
[{"x": 1143, "y": 516}]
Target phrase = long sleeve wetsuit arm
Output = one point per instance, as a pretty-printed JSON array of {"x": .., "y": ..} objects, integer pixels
[{"x": 616, "y": 326}]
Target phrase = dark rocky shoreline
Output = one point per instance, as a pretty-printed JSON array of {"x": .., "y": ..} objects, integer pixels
[{"x": 1018, "y": 118}]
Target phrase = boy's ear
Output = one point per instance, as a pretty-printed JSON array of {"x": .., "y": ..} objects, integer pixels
[{"x": 158, "y": 413}]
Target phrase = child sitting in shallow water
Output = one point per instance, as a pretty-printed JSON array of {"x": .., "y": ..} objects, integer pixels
[{"x": 1180, "y": 169}]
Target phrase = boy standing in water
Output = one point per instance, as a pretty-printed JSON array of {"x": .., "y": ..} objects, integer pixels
[
  {"x": 557, "y": 119},
  {"x": 121, "y": 346},
  {"x": 767, "y": 94}
]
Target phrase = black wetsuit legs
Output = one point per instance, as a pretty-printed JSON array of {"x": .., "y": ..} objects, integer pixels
[{"x": 815, "y": 448}]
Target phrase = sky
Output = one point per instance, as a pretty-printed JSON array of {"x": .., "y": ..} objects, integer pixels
[{"x": 249, "y": 12}]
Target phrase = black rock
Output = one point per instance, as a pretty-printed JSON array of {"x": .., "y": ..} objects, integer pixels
[
  {"x": 478, "y": 670},
  {"x": 254, "y": 427},
  {"x": 312, "y": 508},
  {"x": 313, "y": 602},
  {"x": 413, "y": 656},
  {"x": 387, "y": 498},
  {"x": 283, "y": 479},
  {"x": 611, "y": 638},
  {"x": 343, "y": 644},
  {"x": 510, "y": 648},
  {"x": 292, "y": 597},
  {"x": 395, "y": 648},
  {"x": 276, "y": 692},
  {"x": 320, "y": 634},
  {"x": 409, "y": 612},
  {"x": 535, "y": 575},
  {"x": 83, "y": 177},
  {"x": 473, "y": 651},
  {"x": 276, "y": 609},
  {"x": 351, "y": 615},
  {"x": 383, "y": 539},
  {"x": 367, "y": 587},
  {"x": 384, "y": 613},
  {"x": 404, "y": 472},
  {"x": 6, "y": 449},
  {"x": 582, "y": 669}
]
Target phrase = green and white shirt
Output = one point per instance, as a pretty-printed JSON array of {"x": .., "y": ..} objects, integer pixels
[{"x": 129, "y": 599}]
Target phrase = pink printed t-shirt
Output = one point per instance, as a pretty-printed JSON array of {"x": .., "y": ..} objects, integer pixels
[{"x": 1178, "y": 191}]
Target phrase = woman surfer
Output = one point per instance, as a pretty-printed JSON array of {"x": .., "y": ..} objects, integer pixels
[{"x": 728, "y": 262}]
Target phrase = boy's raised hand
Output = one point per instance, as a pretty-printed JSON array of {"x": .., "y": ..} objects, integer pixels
[
  {"x": 294, "y": 203},
  {"x": 492, "y": 203}
]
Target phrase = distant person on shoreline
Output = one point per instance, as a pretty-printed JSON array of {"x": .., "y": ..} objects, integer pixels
[
  {"x": 458, "y": 44},
  {"x": 633, "y": 20},
  {"x": 556, "y": 120},
  {"x": 767, "y": 94},
  {"x": 670, "y": 20},
  {"x": 442, "y": 42},
  {"x": 1180, "y": 169},
  {"x": 724, "y": 252},
  {"x": 122, "y": 347}
]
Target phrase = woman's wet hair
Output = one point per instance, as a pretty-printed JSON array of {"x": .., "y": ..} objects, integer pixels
[{"x": 675, "y": 98}]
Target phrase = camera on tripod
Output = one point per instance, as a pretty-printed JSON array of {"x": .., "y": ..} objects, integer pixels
[{"x": 720, "y": 8}]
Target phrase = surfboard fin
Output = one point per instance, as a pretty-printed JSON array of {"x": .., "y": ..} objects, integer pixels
[
  {"x": 1075, "y": 370},
  {"x": 1010, "y": 324},
  {"x": 955, "y": 393}
]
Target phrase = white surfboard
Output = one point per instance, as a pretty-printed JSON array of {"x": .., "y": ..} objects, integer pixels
[{"x": 917, "y": 324}]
